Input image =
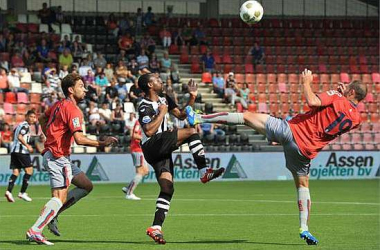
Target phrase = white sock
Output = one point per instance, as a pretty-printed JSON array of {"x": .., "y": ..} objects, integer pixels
[
  {"x": 223, "y": 117},
  {"x": 157, "y": 227},
  {"x": 48, "y": 213},
  {"x": 304, "y": 205},
  {"x": 132, "y": 186}
]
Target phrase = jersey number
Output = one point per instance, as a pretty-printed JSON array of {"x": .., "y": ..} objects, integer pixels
[{"x": 344, "y": 124}]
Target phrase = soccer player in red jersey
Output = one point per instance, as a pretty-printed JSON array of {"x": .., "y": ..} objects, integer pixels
[
  {"x": 332, "y": 114},
  {"x": 138, "y": 161},
  {"x": 62, "y": 124}
]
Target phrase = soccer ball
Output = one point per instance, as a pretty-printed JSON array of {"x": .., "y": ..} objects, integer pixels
[{"x": 251, "y": 12}]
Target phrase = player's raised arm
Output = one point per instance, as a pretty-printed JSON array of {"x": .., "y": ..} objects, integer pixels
[
  {"x": 311, "y": 98},
  {"x": 193, "y": 91},
  {"x": 81, "y": 139}
]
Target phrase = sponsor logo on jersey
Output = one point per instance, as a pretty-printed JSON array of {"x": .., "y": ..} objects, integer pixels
[
  {"x": 146, "y": 119},
  {"x": 76, "y": 122}
]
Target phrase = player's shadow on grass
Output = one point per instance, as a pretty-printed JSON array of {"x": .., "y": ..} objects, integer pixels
[{"x": 233, "y": 242}]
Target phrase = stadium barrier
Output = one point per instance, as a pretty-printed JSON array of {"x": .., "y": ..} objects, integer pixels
[{"x": 118, "y": 168}]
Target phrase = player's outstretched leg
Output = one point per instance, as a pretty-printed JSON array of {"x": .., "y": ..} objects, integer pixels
[
  {"x": 190, "y": 136},
  {"x": 83, "y": 188},
  {"x": 162, "y": 207},
  {"x": 25, "y": 183},
  {"x": 11, "y": 183}
]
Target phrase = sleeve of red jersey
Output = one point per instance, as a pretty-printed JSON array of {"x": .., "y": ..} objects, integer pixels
[
  {"x": 329, "y": 97},
  {"x": 48, "y": 112},
  {"x": 75, "y": 120}
]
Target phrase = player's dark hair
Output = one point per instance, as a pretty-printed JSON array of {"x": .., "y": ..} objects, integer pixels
[
  {"x": 30, "y": 112},
  {"x": 143, "y": 82},
  {"x": 360, "y": 89},
  {"x": 69, "y": 81}
]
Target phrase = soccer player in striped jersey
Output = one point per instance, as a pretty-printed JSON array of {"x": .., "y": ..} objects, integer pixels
[
  {"x": 62, "y": 124},
  {"x": 20, "y": 157},
  {"x": 138, "y": 161},
  {"x": 158, "y": 142},
  {"x": 332, "y": 113}
]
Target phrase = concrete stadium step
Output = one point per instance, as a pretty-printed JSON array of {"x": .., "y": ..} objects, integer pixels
[{"x": 270, "y": 148}]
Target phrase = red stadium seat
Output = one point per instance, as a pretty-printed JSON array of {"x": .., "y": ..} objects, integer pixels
[
  {"x": 21, "y": 109},
  {"x": 293, "y": 78},
  {"x": 250, "y": 78},
  {"x": 252, "y": 108},
  {"x": 376, "y": 78},
  {"x": 282, "y": 87},
  {"x": 272, "y": 88},
  {"x": 263, "y": 108},
  {"x": 261, "y": 88},
  {"x": 239, "y": 78},
  {"x": 282, "y": 78},
  {"x": 344, "y": 77},
  {"x": 249, "y": 68},
  {"x": 206, "y": 77},
  {"x": 375, "y": 117},
  {"x": 335, "y": 78},
  {"x": 10, "y": 97},
  {"x": 8, "y": 108},
  {"x": 8, "y": 118},
  {"x": 195, "y": 68},
  {"x": 260, "y": 78},
  {"x": 271, "y": 78}
]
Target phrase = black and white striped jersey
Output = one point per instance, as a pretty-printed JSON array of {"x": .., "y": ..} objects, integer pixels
[
  {"x": 149, "y": 109},
  {"x": 17, "y": 146}
]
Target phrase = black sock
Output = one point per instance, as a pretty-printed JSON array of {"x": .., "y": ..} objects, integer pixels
[
  {"x": 11, "y": 183},
  {"x": 162, "y": 208},
  {"x": 25, "y": 182},
  {"x": 196, "y": 148}
]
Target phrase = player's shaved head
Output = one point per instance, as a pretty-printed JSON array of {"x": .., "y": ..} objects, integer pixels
[
  {"x": 143, "y": 82},
  {"x": 360, "y": 89},
  {"x": 69, "y": 81}
]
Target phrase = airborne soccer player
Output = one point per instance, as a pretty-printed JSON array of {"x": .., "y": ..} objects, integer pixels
[
  {"x": 332, "y": 114},
  {"x": 158, "y": 142},
  {"x": 62, "y": 124}
]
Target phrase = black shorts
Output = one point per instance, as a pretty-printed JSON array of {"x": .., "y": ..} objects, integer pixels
[
  {"x": 158, "y": 151},
  {"x": 20, "y": 161}
]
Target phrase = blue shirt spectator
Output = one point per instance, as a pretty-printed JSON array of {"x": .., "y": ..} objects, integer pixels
[
  {"x": 208, "y": 62},
  {"x": 122, "y": 90}
]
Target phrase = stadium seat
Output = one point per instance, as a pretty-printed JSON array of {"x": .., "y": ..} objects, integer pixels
[
  {"x": 3, "y": 151},
  {"x": 10, "y": 97},
  {"x": 206, "y": 77},
  {"x": 263, "y": 108},
  {"x": 239, "y": 78},
  {"x": 344, "y": 77},
  {"x": 8, "y": 108},
  {"x": 271, "y": 78},
  {"x": 376, "y": 78},
  {"x": 249, "y": 78},
  {"x": 252, "y": 107},
  {"x": 22, "y": 97},
  {"x": 22, "y": 109}
]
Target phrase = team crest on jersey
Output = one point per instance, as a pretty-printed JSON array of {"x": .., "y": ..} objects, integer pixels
[
  {"x": 76, "y": 122},
  {"x": 146, "y": 119}
]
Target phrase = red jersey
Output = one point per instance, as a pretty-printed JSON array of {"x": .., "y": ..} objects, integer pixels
[
  {"x": 135, "y": 144},
  {"x": 313, "y": 130},
  {"x": 64, "y": 119}
]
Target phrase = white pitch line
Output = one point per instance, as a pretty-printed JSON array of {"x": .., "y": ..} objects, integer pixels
[
  {"x": 221, "y": 200},
  {"x": 188, "y": 215}
]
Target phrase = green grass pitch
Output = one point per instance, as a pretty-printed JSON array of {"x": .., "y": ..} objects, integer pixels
[{"x": 218, "y": 215}]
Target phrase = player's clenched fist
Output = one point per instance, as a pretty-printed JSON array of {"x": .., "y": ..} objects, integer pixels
[
  {"x": 110, "y": 140},
  {"x": 163, "y": 108}
]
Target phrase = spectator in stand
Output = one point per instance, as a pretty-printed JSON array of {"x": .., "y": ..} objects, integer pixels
[
  {"x": 3, "y": 43},
  {"x": 40, "y": 143},
  {"x": 47, "y": 91},
  {"x": 205, "y": 129},
  {"x": 133, "y": 67},
  {"x": 2, "y": 113},
  {"x": 14, "y": 82},
  {"x": 11, "y": 43},
  {"x": 117, "y": 117},
  {"x": 148, "y": 44},
  {"x": 112, "y": 24},
  {"x": 219, "y": 84},
  {"x": 231, "y": 92},
  {"x": 77, "y": 39},
  {"x": 100, "y": 61},
  {"x": 66, "y": 43},
  {"x": 105, "y": 113},
  {"x": 50, "y": 100},
  {"x": 208, "y": 62},
  {"x": 92, "y": 93},
  {"x": 122, "y": 91},
  {"x": 20, "y": 48},
  {"x": 187, "y": 34},
  {"x": 101, "y": 81},
  {"x": 17, "y": 61},
  {"x": 122, "y": 56},
  {"x": 28, "y": 58},
  {"x": 94, "y": 116},
  {"x": 77, "y": 51},
  {"x": 124, "y": 25},
  {"x": 178, "y": 39},
  {"x": 125, "y": 43},
  {"x": 165, "y": 66},
  {"x": 136, "y": 48},
  {"x": 108, "y": 71},
  {"x": 135, "y": 94},
  {"x": 53, "y": 78},
  {"x": 166, "y": 37},
  {"x": 66, "y": 58},
  {"x": 3, "y": 81},
  {"x": 123, "y": 74},
  {"x": 4, "y": 64},
  {"x": 200, "y": 35},
  {"x": 154, "y": 65},
  {"x": 149, "y": 17},
  {"x": 139, "y": 21},
  {"x": 112, "y": 92},
  {"x": 244, "y": 93},
  {"x": 59, "y": 17},
  {"x": 63, "y": 72},
  {"x": 11, "y": 19},
  {"x": 6, "y": 136},
  {"x": 257, "y": 52},
  {"x": 143, "y": 62},
  {"x": 130, "y": 121},
  {"x": 45, "y": 15},
  {"x": 168, "y": 89},
  {"x": 43, "y": 52},
  {"x": 89, "y": 79}
]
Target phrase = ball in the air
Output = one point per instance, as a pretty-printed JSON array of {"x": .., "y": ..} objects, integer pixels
[{"x": 251, "y": 12}]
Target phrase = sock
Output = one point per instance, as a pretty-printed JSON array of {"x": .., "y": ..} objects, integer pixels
[
  {"x": 73, "y": 197},
  {"x": 196, "y": 148},
  {"x": 132, "y": 186},
  {"x": 304, "y": 204},
  {"x": 47, "y": 214},
  {"x": 223, "y": 117},
  {"x": 162, "y": 208},
  {"x": 25, "y": 182},
  {"x": 11, "y": 183}
]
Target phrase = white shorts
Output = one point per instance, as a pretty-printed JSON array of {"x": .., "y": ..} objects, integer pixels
[
  {"x": 61, "y": 170},
  {"x": 138, "y": 159}
]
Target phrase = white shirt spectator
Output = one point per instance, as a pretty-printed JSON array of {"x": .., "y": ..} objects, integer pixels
[
  {"x": 83, "y": 70},
  {"x": 130, "y": 123},
  {"x": 106, "y": 113},
  {"x": 143, "y": 61},
  {"x": 14, "y": 80}
]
